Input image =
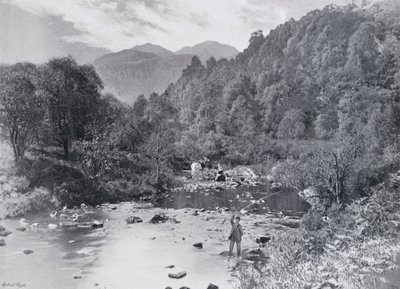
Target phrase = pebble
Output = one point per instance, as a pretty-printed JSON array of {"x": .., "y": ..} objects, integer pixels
[
  {"x": 5, "y": 233},
  {"x": 198, "y": 245},
  {"x": 177, "y": 275},
  {"x": 28, "y": 251}
]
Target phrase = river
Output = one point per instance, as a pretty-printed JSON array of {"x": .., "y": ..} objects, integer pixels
[{"x": 121, "y": 256}]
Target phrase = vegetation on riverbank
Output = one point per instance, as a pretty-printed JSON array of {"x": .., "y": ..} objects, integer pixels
[{"x": 343, "y": 247}]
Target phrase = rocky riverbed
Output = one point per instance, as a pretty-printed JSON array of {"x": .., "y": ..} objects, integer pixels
[{"x": 98, "y": 248}]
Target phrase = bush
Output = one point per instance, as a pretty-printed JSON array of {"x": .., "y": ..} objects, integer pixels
[
  {"x": 313, "y": 221},
  {"x": 36, "y": 201}
]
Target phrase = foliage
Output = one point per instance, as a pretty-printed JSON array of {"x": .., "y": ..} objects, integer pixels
[
  {"x": 349, "y": 247},
  {"x": 73, "y": 96},
  {"x": 21, "y": 106}
]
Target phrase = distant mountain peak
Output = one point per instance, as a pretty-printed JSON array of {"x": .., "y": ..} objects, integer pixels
[
  {"x": 207, "y": 49},
  {"x": 153, "y": 48}
]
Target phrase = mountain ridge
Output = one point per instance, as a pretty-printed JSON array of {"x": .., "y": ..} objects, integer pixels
[{"x": 148, "y": 68}]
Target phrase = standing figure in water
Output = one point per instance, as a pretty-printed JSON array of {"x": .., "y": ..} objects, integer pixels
[{"x": 236, "y": 235}]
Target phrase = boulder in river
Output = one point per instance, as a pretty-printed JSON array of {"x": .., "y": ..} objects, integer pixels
[
  {"x": 97, "y": 225},
  {"x": 184, "y": 287},
  {"x": 21, "y": 229},
  {"x": 212, "y": 286},
  {"x": 177, "y": 275},
  {"x": 28, "y": 251},
  {"x": 170, "y": 266},
  {"x": 52, "y": 226},
  {"x": 198, "y": 245},
  {"x": 220, "y": 177},
  {"x": 133, "y": 220},
  {"x": 2, "y": 228},
  {"x": 2, "y": 243},
  {"x": 262, "y": 240},
  {"x": 168, "y": 287},
  {"x": 5, "y": 233},
  {"x": 159, "y": 218}
]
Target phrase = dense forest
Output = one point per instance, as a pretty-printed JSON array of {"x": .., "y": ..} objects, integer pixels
[{"x": 323, "y": 90}]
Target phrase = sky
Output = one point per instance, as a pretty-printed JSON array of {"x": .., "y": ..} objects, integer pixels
[{"x": 34, "y": 30}]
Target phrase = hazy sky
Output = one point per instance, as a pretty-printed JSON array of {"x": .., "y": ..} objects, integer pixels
[{"x": 36, "y": 29}]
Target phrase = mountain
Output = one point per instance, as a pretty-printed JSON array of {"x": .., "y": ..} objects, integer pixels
[
  {"x": 132, "y": 72},
  {"x": 152, "y": 48},
  {"x": 149, "y": 68},
  {"x": 207, "y": 49}
]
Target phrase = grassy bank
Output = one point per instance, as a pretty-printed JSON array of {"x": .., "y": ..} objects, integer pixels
[{"x": 345, "y": 248}]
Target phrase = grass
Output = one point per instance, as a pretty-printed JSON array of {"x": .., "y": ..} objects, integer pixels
[
  {"x": 16, "y": 197},
  {"x": 351, "y": 249}
]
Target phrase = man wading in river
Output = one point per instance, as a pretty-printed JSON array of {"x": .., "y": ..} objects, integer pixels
[{"x": 236, "y": 235}]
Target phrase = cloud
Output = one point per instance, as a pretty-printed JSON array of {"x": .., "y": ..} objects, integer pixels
[{"x": 120, "y": 24}]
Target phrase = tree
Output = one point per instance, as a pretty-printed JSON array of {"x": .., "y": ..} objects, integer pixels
[
  {"x": 158, "y": 147},
  {"x": 292, "y": 126},
  {"x": 21, "y": 107},
  {"x": 73, "y": 93}
]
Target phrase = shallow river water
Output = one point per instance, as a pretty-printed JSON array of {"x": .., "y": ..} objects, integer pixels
[{"x": 122, "y": 256}]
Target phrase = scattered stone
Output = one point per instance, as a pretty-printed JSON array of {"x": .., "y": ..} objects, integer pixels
[
  {"x": 177, "y": 275},
  {"x": 69, "y": 225},
  {"x": 220, "y": 177},
  {"x": 183, "y": 239},
  {"x": 133, "y": 220},
  {"x": 262, "y": 240},
  {"x": 2, "y": 243},
  {"x": 202, "y": 210},
  {"x": 2, "y": 228},
  {"x": 224, "y": 254},
  {"x": 153, "y": 238},
  {"x": 97, "y": 225},
  {"x": 170, "y": 266},
  {"x": 168, "y": 287},
  {"x": 212, "y": 286},
  {"x": 77, "y": 276},
  {"x": 195, "y": 213},
  {"x": 198, "y": 245},
  {"x": 256, "y": 255},
  {"x": 21, "y": 229},
  {"x": 5, "y": 233},
  {"x": 159, "y": 218},
  {"x": 28, "y": 251},
  {"x": 174, "y": 220},
  {"x": 52, "y": 226},
  {"x": 113, "y": 208},
  {"x": 184, "y": 287}
]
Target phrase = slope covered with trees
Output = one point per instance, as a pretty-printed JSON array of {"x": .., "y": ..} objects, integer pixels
[{"x": 327, "y": 81}]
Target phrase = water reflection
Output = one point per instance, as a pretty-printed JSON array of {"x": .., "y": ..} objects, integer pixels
[{"x": 286, "y": 201}]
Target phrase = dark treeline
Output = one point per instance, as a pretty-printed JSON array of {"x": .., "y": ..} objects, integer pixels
[{"x": 321, "y": 96}]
